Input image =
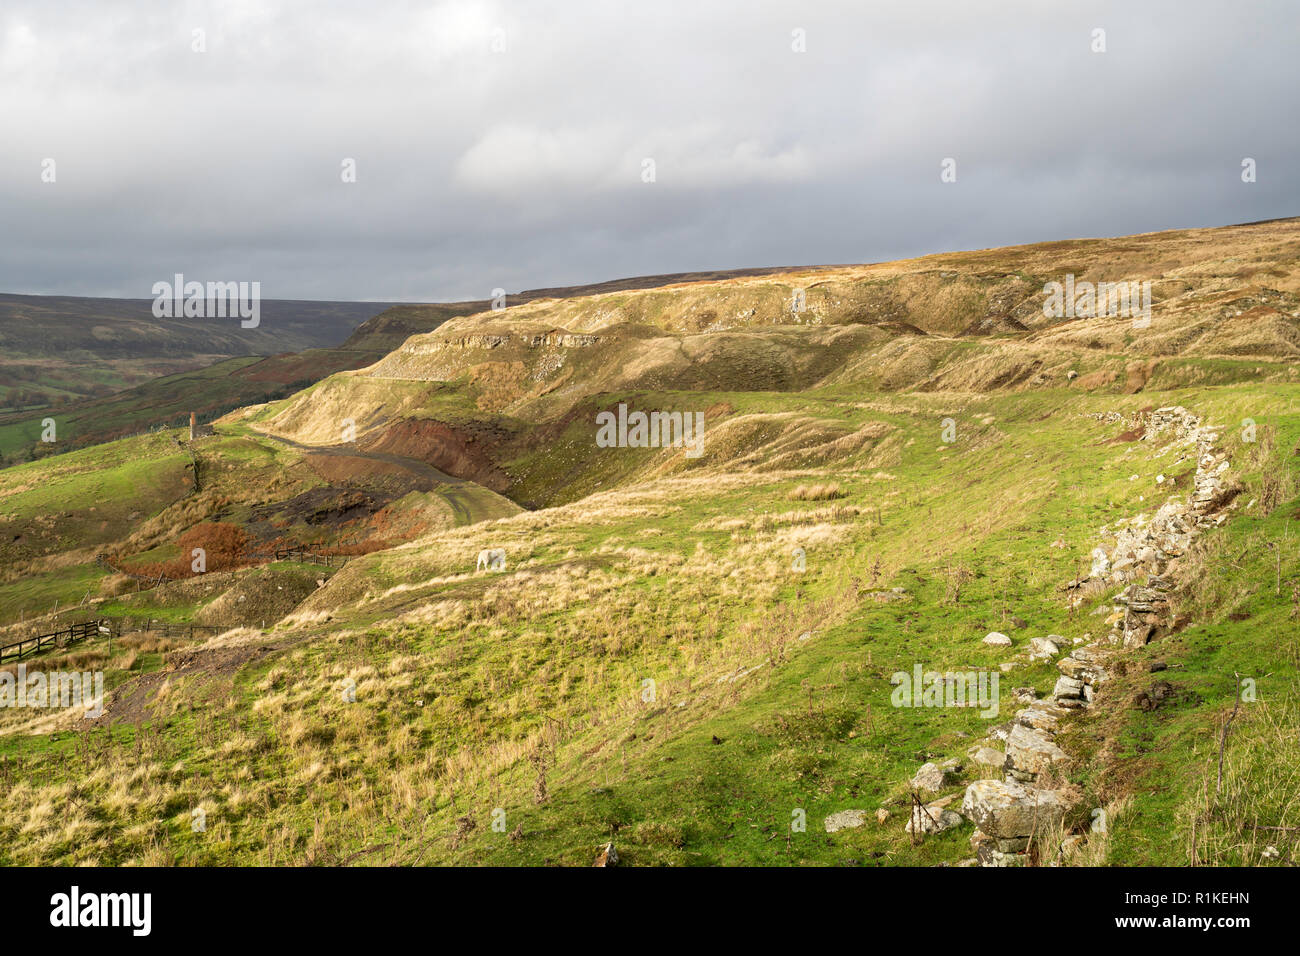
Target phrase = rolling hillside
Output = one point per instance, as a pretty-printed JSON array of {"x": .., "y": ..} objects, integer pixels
[{"x": 903, "y": 468}]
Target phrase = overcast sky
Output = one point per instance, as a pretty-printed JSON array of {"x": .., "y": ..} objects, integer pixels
[{"x": 503, "y": 143}]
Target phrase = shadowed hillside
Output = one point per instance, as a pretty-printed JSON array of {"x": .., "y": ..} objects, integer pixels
[{"x": 61, "y": 348}]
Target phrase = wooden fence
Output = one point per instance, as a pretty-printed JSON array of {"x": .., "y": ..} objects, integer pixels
[
  {"x": 109, "y": 627},
  {"x": 296, "y": 552},
  {"x": 300, "y": 554},
  {"x": 118, "y": 626},
  {"x": 38, "y": 642}
]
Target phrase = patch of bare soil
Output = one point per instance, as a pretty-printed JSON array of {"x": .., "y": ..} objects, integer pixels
[
  {"x": 1136, "y": 376},
  {"x": 342, "y": 469},
  {"x": 132, "y": 702},
  {"x": 464, "y": 453},
  {"x": 327, "y": 507}
]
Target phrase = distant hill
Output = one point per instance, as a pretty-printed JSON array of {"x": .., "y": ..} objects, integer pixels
[{"x": 169, "y": 399}]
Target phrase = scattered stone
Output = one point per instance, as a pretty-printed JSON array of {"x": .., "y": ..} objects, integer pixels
[
  {"x": 608, "y": 856},
  {"x": 882, "y": 815},
  {"x": 1100, "y": 564},
  {"x": 1043, "y": 649},
  {"x": 1002, "y": 731},
  {"x": 1067, "y": 687},
  {"x": 991, "y": 856},
  {"x": 1154, "y": 696},
  {"x": 933, "y": 819},
  {"x": 848, "y": 820},
  {"x": 1042, "y": 715},
  {"x": 888, "y": 597},
  {"x": 997, "y": 639},
  {"x": 934, "y": 777}
]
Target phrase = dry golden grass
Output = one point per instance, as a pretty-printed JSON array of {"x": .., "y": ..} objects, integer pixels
[
  {"x": 824, "y": 492},
  {"x": 1252, "y": 817}
]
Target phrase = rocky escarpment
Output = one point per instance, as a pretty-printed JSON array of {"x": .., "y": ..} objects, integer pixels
[
  {"x": 557, "y": 338},
  {"x": 1141, "y": 557}
]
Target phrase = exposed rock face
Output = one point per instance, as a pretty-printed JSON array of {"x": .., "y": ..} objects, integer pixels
[{"x": 560, "y": 338}]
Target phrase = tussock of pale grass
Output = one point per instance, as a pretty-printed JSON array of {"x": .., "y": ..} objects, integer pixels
[
  {"x": 1095, "y": 850},
  {"x": 1257, "y": 805},
  {"x": 825, "y": 492}
]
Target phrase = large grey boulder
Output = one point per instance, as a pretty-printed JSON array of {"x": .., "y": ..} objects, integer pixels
[
  {"x": 934, "y": 777},
  {"x": 1043, "y": 648},
  {"x": 1007, "y": 811}
]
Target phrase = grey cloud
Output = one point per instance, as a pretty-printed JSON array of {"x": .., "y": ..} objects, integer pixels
[{"x": 522, "y": 168}]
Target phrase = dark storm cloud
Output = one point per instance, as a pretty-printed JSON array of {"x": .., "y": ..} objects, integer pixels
[{"x": 522, "y": 167}]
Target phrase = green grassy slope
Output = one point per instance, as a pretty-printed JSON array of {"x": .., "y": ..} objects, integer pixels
[
  {"x": 480, "y": 691},
  {"x": 651, "y": 666}
]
